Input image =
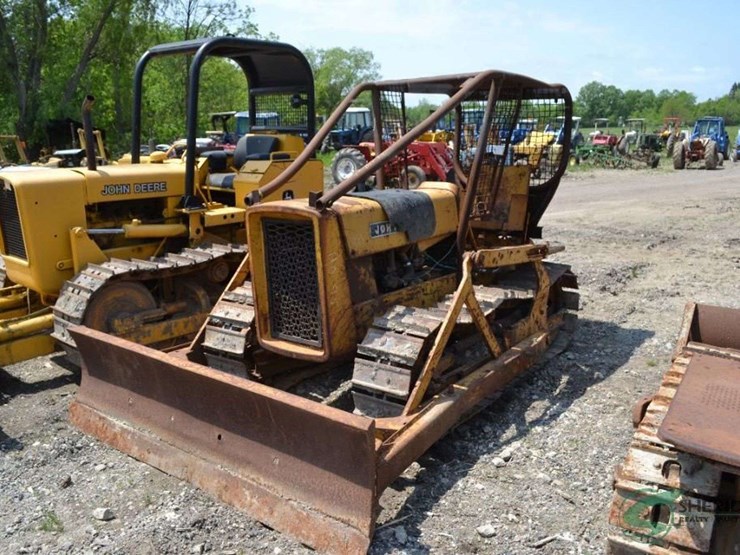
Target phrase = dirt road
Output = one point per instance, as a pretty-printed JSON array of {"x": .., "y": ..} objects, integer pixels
[{"x": 642, "y": 243}]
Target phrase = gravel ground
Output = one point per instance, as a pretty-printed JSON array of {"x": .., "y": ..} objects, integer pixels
[{"x": 532, "y": 474}]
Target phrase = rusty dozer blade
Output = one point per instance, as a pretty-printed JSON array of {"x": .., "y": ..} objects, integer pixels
[
  {"x": 298, "y": 466},
  {"x": 306, "y": 469}
]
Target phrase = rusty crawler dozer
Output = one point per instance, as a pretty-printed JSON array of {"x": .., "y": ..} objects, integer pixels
[
  {"x": 421, "y": 305},
  {"x": 678, "y": 490},
  {"x": 80, "y": 239}
]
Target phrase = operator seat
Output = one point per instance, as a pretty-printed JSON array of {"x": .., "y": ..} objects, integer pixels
[{"x": 254, "y": 147}]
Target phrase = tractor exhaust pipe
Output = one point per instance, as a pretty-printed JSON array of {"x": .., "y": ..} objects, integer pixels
[{"x": 87, "y": 105}]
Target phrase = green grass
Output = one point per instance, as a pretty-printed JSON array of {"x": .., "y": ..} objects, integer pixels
[
  {"x": 326, "y": 158},
  {"x": 732, "y": 132},
  {"x": 50, "y": 522}
]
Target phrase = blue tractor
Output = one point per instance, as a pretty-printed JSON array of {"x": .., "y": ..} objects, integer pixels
[
  {"x": 709, "y": 142},
  {"x": 355, "y": 127}
]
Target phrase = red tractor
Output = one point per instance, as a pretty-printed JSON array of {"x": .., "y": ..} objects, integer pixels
[
  {"x": 603, "y": 138},
  {"x": 421, "y": 161}
]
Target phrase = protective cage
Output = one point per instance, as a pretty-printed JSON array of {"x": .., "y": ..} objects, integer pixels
[
  {"x": 530, "y": 122},
  {"x": 510, "y": 119}
]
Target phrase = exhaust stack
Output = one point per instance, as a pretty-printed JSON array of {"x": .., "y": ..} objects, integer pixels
[{"x": 87, "y": 105}]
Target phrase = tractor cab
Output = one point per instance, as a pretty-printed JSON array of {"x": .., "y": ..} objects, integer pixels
[
  {"x": 713, "y": 128},
  {"x": 354, "y": 127}
]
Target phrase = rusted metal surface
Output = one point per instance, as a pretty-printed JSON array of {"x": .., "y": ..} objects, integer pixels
[
  {"x": 653, "y": 466},
  {"x": 474, "y": 176},
  {"x": 640, "y": 409},
  {"x": 685, "y": 443},
  {"x": 704, "y": 417},
  {"x": 716, "y": 326},
  {"x": 440, "y": 414},
  {"x": 690, "y": 537},
  {"x": 300, "y": 467},
  {"x": 308, "y": 470}
]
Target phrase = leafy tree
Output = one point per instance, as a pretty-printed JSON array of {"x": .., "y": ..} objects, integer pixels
[
  {"x": 53, "y": 52},
  {"x": 31, "y": 32},
  {"x": 416, "y": 114},
  {"x": 336, "y": 71},
  {"x": 677, "y": 103},
  {"x": 596, "y": 100}
]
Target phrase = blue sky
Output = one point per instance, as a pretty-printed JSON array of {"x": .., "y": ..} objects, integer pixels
[{"x": 629, "y": 44}]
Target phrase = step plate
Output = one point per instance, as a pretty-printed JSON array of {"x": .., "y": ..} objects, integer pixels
[{"x": 705, "y": 414}]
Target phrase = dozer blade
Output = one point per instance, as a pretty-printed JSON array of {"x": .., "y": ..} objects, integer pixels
[{"x": 306, "y": 469}]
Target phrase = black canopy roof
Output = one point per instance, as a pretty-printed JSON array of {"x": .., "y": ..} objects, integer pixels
[{"x": 268, "y": 66}]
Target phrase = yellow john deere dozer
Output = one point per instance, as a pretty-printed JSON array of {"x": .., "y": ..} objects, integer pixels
[
  {"x": 421, "y": 305},
  {"x": 78, "y": 239}
]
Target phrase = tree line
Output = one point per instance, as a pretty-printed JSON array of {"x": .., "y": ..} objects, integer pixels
[
  {"x": 55, "y": 52},
  {"x": 596, "y": 100}
]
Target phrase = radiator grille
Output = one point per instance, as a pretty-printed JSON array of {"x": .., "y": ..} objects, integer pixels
[
  {"x": 10, "y": 223},
  {"x": 292, "y": 281}
]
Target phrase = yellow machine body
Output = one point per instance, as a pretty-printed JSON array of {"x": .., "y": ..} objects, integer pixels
[
  {"x": 535, "y": 147},
  {"x": 54, "y": 223},
  {"x": 41, "y": 252},
  {"x": 38, "y": 248},
  {"x": 343, "y": 242}
]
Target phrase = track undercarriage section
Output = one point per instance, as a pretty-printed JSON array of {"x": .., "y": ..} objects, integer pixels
[
  {"x": 392, "y": 354},
  {"x": 160, "y": 302}
]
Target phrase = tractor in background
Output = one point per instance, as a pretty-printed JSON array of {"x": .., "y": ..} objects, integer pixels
[
  {"x": 603, "y": 139},
  {"x": 670, "y": 133},
  {"x": 709, "y": 142},
  {"x": 638, "y": 145},
  {"x": 355, "y": 127},
  {"x": 220, "y": 126},
  {"x": 423, "y": 160},
  {"x": 542, "y": 150}
]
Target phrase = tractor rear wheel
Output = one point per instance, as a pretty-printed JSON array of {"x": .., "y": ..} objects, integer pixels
[
  {"x": 413, "y": 176},
  {"x": 346, "y": 162},
  {"x": 670, "y": 144},
  {"x": 679, "y": 156},
  {"x": 710, "y": 155},
  {"x": 622, "y": 145},
  {"x": 733, "y": 153}
]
